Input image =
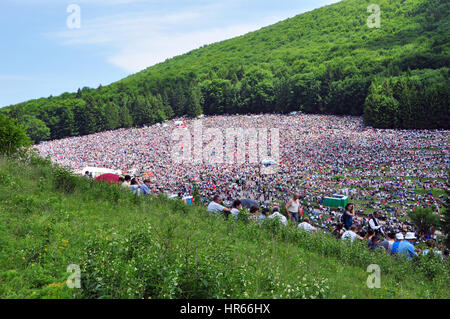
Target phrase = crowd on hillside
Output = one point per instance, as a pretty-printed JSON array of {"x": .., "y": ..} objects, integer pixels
[
  {"x": 387, "y": 171},
  {"x": 345, "y": 226}
]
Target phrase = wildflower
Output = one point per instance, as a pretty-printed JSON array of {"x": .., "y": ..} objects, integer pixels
[{"x": 56, "y": 284}]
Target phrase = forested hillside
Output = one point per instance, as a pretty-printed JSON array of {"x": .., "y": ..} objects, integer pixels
[{"x": 324, "y": 61}]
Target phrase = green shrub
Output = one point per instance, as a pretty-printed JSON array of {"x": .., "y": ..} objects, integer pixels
[
  {"x": 63, "y": 180},
  {"x": 424, "y": 219}
]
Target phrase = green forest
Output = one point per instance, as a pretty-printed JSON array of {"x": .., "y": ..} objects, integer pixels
[{"x": 326, "y": 61}]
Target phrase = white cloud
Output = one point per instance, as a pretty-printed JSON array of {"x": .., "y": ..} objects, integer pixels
[
  {"x": 141, "y": 54},
  {"x": 134, "y": 41},
  {"x": 13, "y": 77}
]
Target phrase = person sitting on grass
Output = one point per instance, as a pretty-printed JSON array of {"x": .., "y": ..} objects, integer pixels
[
  {"x": 216, "y": 208},
  {"x": 276, "y": 214},
  {"x": 398, "y": 239},
  {"x": 254, "y": 213},
  {"x": 338, "y": 230},
  {"x": 351, "y": 234},
  {"x": 236, "y": 208},
  {"x": 145, "y": 187},
  {"x": 127, "y": 181},
  {"x": 388, "y": 242},
  {"x": 370, "y": 234},
  {"x": 374, "y": 243},
  {"x": 406, "y": 247},
  {"x": 264, "y": 214},
  {"x": 134, "y": 187},
  {"x": 307, "y": 226},
  {"x": 431, "y": 244}
]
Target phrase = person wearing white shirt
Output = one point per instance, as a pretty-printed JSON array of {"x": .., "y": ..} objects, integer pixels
[
  {"x": 293, "y": 207},
  {"x": 215, "y": 207},
  {"x": 276, "y": 214},
  {"x": 307, "y": 226},
  {"x": 351, "y": 234},
  {"x": 374, "y": 224},
  {"x": 127, "y": 182}
]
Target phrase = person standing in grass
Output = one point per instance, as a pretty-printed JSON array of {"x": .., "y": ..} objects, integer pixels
[
  {"x": 293, "y": 208},
  {"x": 348, "y": 215},
  {"x": 374, "y": 224}
]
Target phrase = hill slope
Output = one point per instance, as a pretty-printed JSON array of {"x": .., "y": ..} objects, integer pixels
[
  {"x": 130, "y": 247},
  {"x": 324, "y": 61}
]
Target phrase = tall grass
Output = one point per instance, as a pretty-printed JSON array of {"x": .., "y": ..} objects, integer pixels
[{"x": 135, "y": 247}]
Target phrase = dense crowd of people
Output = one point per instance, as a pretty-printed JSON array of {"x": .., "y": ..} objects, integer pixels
[{"x": 389, "y": 172}]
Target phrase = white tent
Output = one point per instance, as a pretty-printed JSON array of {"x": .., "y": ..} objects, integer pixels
[{"x": 97, "y": 171}]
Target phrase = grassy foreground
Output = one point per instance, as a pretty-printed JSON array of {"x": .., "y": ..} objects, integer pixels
[{"x": 130, "y": 247}]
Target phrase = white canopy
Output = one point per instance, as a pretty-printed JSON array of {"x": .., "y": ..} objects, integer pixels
[{"x": 97, "y": 171}]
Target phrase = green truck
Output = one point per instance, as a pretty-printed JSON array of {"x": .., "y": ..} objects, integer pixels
[{"x": 336, "y": 201}]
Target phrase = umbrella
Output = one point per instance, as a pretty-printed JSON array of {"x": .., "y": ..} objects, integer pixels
[
  {"x": 269, "y": 162},
  {"x": 249, "y": 203},
  {"x": 110, "y": 178}
]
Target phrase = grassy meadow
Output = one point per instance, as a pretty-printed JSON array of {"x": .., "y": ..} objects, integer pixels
[{"x": 133, "y": 247}]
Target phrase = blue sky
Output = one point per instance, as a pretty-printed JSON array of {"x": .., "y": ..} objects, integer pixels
[{"x": 42, "y": 56}]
